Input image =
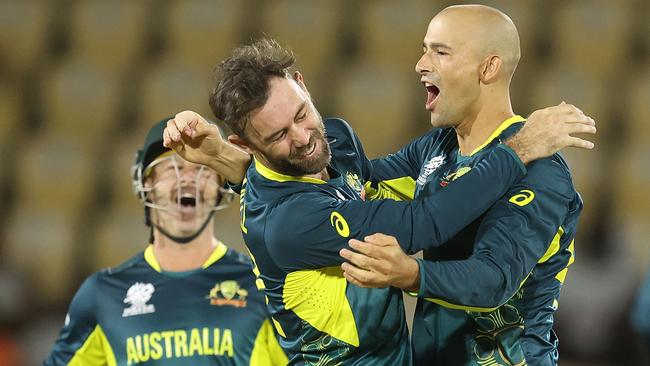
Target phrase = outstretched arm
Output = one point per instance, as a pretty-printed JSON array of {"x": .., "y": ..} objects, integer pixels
[
  {"x": 520, "y": 230},
  {"x": 199, "y": 141},
  {"x": 546, "y": 131}
]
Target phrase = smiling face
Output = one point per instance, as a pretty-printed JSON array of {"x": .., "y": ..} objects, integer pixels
[
  {"x": 287, "y": 132},
  {"x": 181, "y": 194}
]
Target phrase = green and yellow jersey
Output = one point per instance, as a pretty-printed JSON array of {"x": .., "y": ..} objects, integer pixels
[
  {"x": 139, "y": 314},
  {"x": 294, "y": 228},
  {"x": 488, "y": 295}
]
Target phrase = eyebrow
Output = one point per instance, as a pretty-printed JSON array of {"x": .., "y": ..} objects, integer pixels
[
  {"x": 301, "y": 108},
  {"x": 435, "y": 45}
]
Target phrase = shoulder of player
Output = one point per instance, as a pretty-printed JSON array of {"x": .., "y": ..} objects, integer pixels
[
  {"x": 551, "y": 172},
  {"x": 337, "y": 126},
  {"x": 235, "y": 264},
  {"x": 127, "y": 265},
  {"x": 236, "y": 258},
  {"x": 85, "y": 299},
  {"x": 340, "y": 135}
]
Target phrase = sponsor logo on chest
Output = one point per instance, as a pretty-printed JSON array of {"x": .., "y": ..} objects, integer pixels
[
  {"x": 430, "y": 167},
  {"x": 137, "y": 297}
]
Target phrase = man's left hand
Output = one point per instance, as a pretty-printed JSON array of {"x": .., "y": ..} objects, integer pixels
[{"x": 379, "y": 261}]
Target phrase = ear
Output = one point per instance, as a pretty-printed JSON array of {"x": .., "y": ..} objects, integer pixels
[
  {"x": 241, "y": 143},
  {"x": 490, "y": 69},
  {"x": 297, "y": 76}
]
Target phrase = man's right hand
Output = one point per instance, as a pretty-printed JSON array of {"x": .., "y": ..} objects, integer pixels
[
  {"x": 195, "y": 139},
  {"x": 550, "y": 130}
]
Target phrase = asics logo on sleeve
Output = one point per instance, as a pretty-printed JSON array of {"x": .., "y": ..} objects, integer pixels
[
  {"x": 339, "y": 223},
  {"x": 523, "y": 198}
]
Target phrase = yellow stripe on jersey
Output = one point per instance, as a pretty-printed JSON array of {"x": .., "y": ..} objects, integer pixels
[
  {"x": 278, "y": 327},
  {"x": 561, "y": 276},
  {"x": 267, "y": 350},
  {"x": 458, "y": 307},
  {"x": 554, "y": 247},
  {"x": 279, "y": 177},
  {"x": 398, "y": 189},
  {"x": 318, "y": 297},
  {"x": 464, "y": 307},
  {"x": 505, "y": 124},
  {"x": 95, "y": 351}
]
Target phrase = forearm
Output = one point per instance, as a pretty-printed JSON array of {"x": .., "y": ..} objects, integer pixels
[
  {"x": 446, "y": 212},
  {"x": 474, "y": 283},
  {"x": 231, "y": 163}
]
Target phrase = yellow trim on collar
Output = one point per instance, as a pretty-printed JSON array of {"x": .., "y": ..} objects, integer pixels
[
  {"x": 505, "y": 124},
  {"x": 219, "y": 251},
  {"x": 151, "y": 259},
  {"x": 278, "y": 177}
]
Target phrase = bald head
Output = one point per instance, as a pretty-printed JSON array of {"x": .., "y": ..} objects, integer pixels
[
  {"x": 484, "y": 31},
  {"x": 470, "y": 53}
]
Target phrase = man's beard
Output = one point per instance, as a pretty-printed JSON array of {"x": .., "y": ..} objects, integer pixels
[{"x": 295, "y": 166}]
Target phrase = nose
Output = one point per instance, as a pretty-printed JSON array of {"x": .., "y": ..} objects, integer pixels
[
  {"x": 187, "y": 174},
  {"x": 301, "y": 136},
  {"x": 184, "y": 178},
  {"x": 423, "y": 65}
]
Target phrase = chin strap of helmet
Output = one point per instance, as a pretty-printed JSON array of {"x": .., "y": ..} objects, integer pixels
[{"x": 181, "y": 239}]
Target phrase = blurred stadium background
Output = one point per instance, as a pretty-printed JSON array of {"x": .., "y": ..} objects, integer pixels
[{"x": 81, "y": 82}]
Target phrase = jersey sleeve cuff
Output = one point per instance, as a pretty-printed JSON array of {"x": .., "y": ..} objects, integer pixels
[
  {"x": 514, "y": 155},
  {"x": 422, "y": 277}
]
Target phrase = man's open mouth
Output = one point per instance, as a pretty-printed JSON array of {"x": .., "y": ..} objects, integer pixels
[
  {"x": 188, "y": 201},
  {"x": 432, "y": 95},
  {"x": 308, "y": 152}
]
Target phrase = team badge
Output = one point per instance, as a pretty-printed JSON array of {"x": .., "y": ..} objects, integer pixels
[
  {"x": 353, "y": 181},
  {"x": 453, "y": 176},
  {"x": 137, "y": 296},
  {"x": 228, "y": 293},
  {"x": 430, "y": 167}
]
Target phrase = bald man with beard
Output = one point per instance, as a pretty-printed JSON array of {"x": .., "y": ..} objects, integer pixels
[{"x": 488, "y": 295}]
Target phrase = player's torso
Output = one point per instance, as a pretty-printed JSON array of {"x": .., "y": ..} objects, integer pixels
[
  {"x": 457, "y": 337},
  {"x": 203, "y": 317},
  {"x": 329, "y": 321}
]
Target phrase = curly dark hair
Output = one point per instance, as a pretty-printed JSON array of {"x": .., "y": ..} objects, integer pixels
[{"x": 241, "y": 82}]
